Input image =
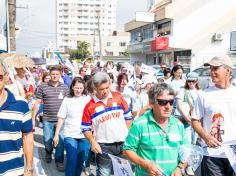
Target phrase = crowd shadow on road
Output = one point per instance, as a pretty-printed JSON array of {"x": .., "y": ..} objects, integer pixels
[{"x": 48, "y": 168}]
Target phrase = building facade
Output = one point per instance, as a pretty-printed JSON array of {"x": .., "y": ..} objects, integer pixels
[
  {"x": 83, "y": 17},
  {"x": 114, "y": 45},
  {"x": 185, "y": 32}
]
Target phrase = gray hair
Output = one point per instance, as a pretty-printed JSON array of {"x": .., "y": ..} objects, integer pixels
[
  {"x": 159, "y": 89},
  {"x": 100, "y": 78}
]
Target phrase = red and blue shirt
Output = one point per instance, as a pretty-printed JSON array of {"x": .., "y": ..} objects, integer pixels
[{"x": 108, "y": 118}]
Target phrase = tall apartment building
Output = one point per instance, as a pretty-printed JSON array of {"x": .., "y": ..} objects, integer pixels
[{"x": 83, "y": 17}]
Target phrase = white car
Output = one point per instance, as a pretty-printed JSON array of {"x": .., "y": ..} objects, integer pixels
[{"x": 205, "y": 77}]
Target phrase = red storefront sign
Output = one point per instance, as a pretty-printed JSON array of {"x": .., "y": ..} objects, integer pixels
[{"x": 160, "y": 43}]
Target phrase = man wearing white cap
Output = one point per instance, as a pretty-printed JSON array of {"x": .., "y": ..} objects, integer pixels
[{"x": 215, "y": 108}]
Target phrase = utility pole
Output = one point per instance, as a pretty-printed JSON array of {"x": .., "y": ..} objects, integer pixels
[
  {"x": 99, "y": 34},
  {"x": 94, "y": 40},
  {"x": 12, "y": 22},
  {"x": 7, "y": 28}
]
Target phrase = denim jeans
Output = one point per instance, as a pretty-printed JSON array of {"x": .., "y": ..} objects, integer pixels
[
  {"x": 104, "y": 163},
  {"x": 76, "y": 154},
  {"x": 48, "y": 134},
  {"x": 216, "y": 167}
]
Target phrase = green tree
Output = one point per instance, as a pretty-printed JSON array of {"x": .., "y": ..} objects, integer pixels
[
  {"x": 126, "y": 53},
  {"x": 82, "y": 51}
]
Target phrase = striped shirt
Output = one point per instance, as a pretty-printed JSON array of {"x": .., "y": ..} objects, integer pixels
[
  {"x": 149, "y": 141},
  {"x": 108, "y": 118},
  {"x": 52, "y": 98},
  {"x": 15, "y": 119}
]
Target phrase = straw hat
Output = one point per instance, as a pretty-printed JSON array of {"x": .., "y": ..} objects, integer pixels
[{"x": 16, "y": 60}]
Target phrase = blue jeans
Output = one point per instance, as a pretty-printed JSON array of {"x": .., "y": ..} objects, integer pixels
[
  {"x": 104, "y": 163},
  {"x": 48, "y": 134},
  {"x": 76, "y": 153}
]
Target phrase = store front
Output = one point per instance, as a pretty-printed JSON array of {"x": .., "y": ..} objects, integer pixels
[{"x": 170, "y": 56}]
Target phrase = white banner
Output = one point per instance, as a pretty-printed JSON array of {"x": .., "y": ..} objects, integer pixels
[{"x": 121, "y": 166}]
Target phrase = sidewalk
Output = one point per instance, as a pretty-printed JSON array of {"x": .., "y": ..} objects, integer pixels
[{"x": 41, "y": 168}]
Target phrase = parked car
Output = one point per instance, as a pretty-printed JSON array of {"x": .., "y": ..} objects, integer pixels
[{"x": 205, "y": 77}]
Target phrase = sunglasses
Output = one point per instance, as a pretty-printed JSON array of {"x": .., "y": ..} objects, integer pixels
[
  {"x": 1, "y": 77},
  {"x": 163, "y": 102},
  {"x": 193, "y": 81}
]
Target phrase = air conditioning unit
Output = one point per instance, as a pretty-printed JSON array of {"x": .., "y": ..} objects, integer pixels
[
  {"x": 140, "y": 37},
  {"x": 218, "y": 36}
]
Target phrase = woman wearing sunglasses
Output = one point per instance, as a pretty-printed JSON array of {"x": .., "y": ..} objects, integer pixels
[{"x": 185, "y": 102}]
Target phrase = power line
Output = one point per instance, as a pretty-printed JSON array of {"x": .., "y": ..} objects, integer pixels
[{"x": 42, "y": 32}]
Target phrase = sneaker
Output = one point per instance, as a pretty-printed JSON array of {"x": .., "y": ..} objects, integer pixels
[
  {"x": 88, "y": 172},
  {"x": 48, "y": 157},
  {"x": 60, "y": 167}
]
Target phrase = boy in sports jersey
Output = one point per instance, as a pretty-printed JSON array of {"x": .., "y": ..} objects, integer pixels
[{"x": 110, "y": 117}]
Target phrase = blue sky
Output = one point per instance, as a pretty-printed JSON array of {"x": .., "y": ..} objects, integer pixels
[{"x": 38, "y": 22}]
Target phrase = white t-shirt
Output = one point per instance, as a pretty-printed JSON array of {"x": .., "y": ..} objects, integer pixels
[
  {"x": 217, "y": 110},
  {"x": 188, "y": 97},
  {"x": 176, "y": 85},
  {"x": 72, "y": 110}
]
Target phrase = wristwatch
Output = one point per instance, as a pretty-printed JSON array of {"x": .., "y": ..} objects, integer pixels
[
  {"x": 31, "y": 170},
  {"x": 182, "y": 169}
]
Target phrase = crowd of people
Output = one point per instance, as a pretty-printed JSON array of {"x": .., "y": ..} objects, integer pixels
[{"x": 120, "y": 110}]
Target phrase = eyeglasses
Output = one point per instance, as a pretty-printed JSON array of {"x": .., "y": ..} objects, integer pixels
[
  {"x": 193, "y": 81},
  {"x": 163, "y": 102},
  {"x": 1, "y": 77}
]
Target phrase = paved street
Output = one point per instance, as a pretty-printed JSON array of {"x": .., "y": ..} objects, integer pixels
[{"x": 41, "y": 167}]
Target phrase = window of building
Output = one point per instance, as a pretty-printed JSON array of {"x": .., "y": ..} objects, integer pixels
[
  {"x": 135, "y": 35},
  {"x": 122, "y": 43},
  {"x": 121, "y": 53},
  {"x": 164, "y": 28},
  {"x": 147, "y": 33},
  {"x": 109, "y": 53},
  {"x": 108, "y": 43}
]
